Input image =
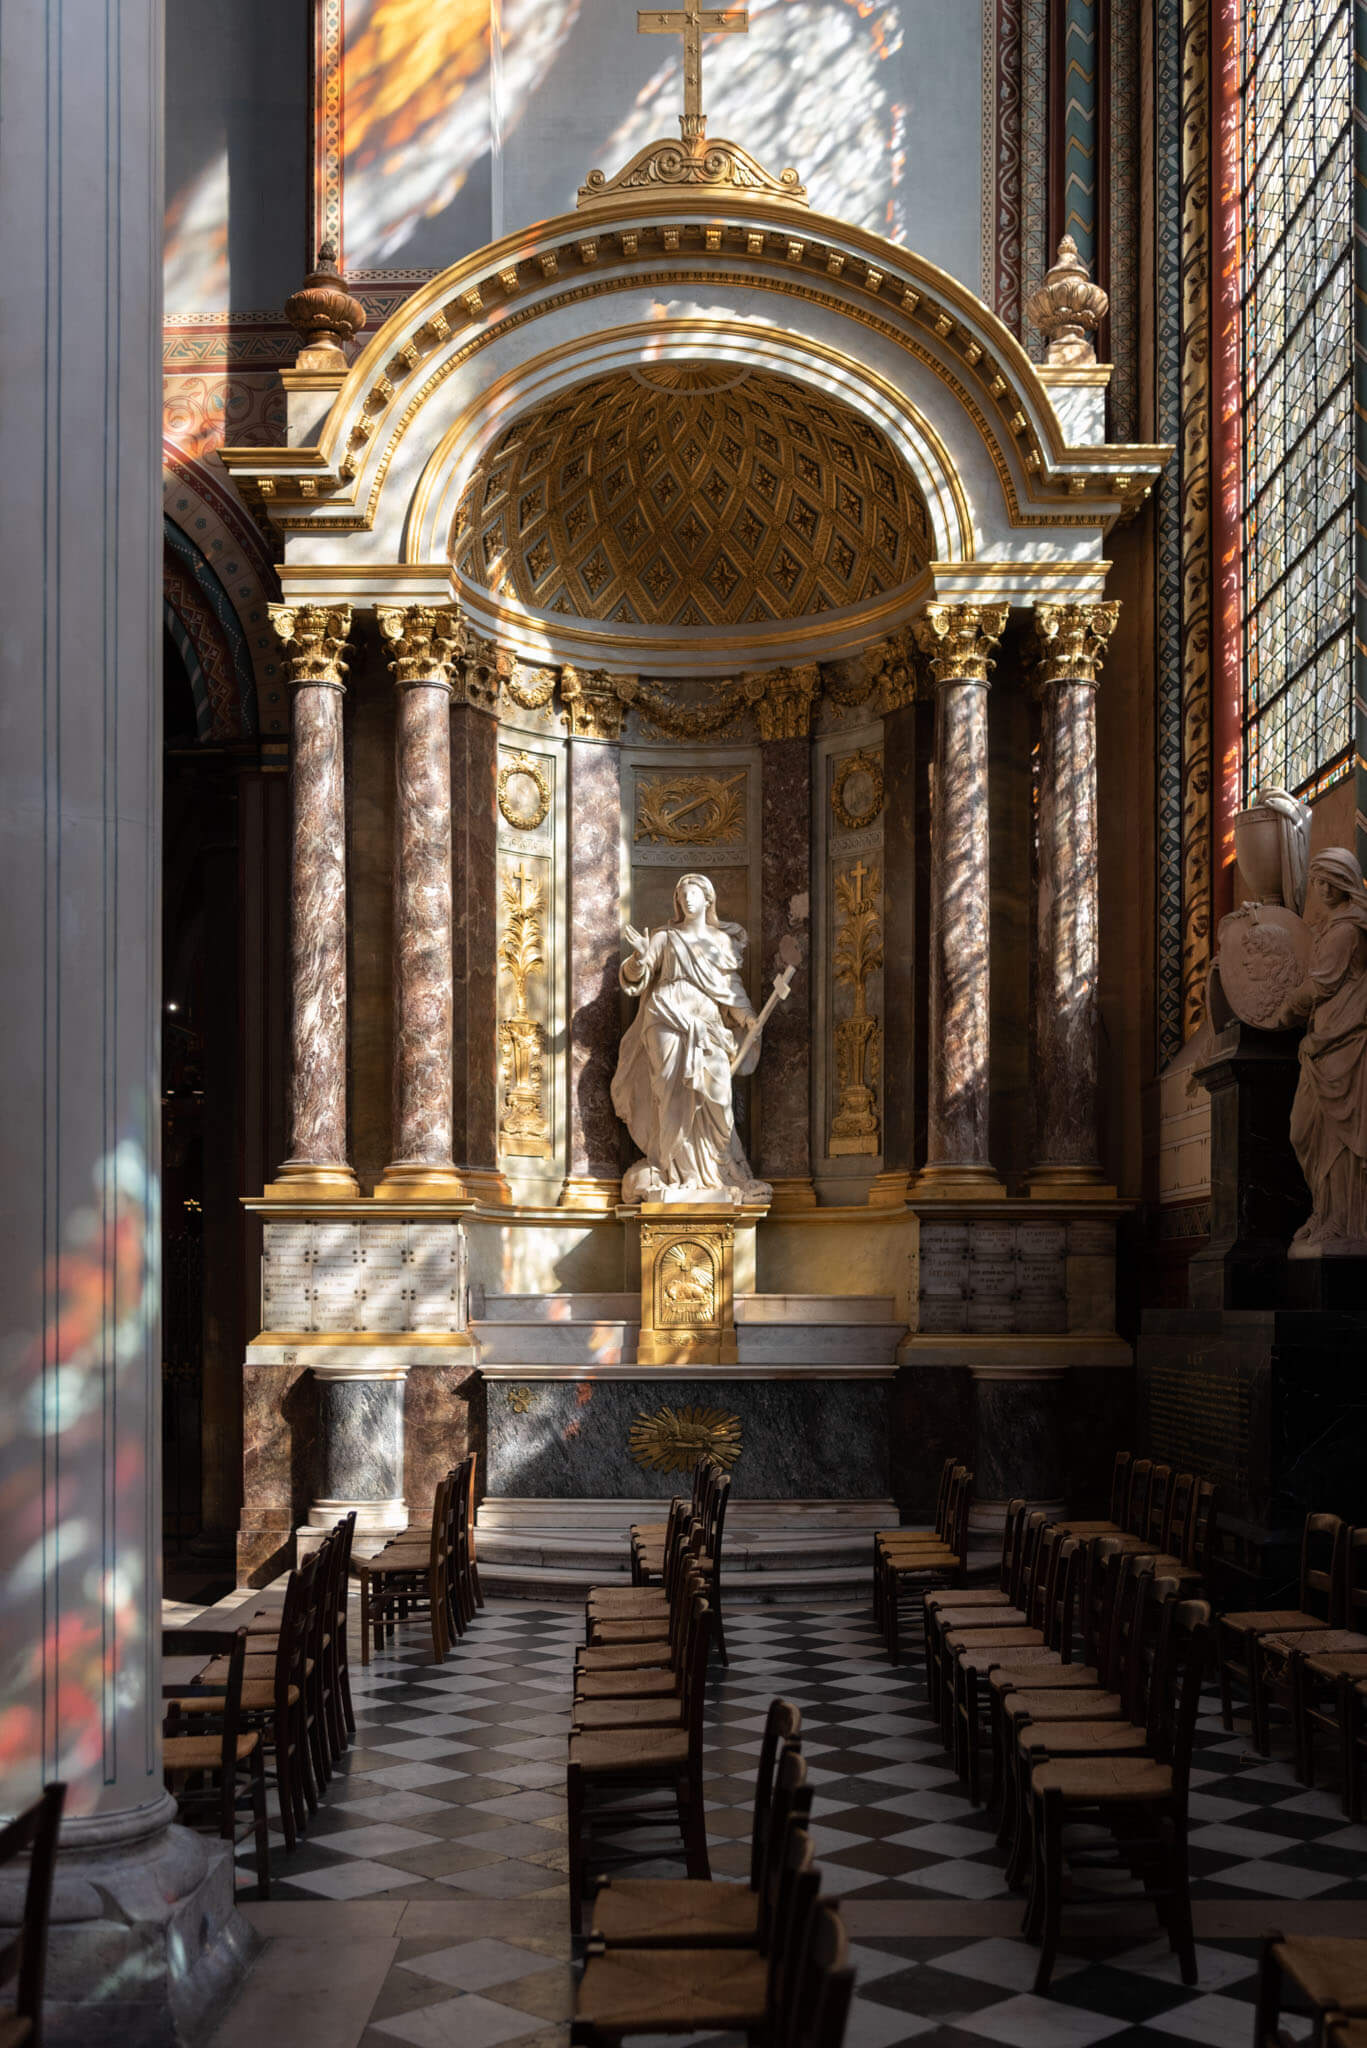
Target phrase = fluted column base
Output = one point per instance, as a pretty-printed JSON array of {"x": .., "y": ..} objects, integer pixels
[
  {"x": 421, "y": 1180},
  {"x": 487, "y": 1184},
  {"x": 950, "y": 1183},
  {"x": 589, "y": 1191},
  {"x": 1048, "y": 1183},
  {"x": 297, "y": 1181}
]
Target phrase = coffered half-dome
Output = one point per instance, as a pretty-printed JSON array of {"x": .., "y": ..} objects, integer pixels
[{"x": 682, "y": 494}]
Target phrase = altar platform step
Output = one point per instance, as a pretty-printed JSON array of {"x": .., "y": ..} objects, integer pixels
[
  {"x": 778, "y": 1330},
  {"x": 773, "y": 1550}
]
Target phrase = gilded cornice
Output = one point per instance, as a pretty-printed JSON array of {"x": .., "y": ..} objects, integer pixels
[
  {"x": 313, "y": 638},
  {"x": 959, "y": 640},
  {"x": 426, "y": 641},
  {"x": 1071, "y": 641}
]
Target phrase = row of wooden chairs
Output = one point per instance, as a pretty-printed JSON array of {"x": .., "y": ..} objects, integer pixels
[
  {"x": 275, "y": 1707},
  {"x": 430, "y": 1571},
  {"x": 648, "y": 1540},
  {"x": 23, "y": 1959},
  {"x": 907, "y": 1554},
  {"x": 1310, "y": 1659}
]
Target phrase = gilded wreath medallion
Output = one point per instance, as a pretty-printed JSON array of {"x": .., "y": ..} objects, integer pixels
[{"x": 524, "y": 793}]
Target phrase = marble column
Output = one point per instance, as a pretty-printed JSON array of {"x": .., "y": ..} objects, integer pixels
[
  {"x": 784, "y": 1152},
  {"x": 1072, "y": 643},
  {"x": 314, "y": 640},
  {"x": 360, "y": 1436},
  {"x": 958, "y": 641},
  {"x": 425, "y": 641},
  {"x": 474, "y": 871},
  {"x": 594, "y": 1180},
  {"x": 144, "y": 1939}
]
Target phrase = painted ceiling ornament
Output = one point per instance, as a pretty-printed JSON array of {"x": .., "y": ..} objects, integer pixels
[
  {"x": 1068, "y": 308},
  {"x": 324, "y": 314},
  {"x": 698, "y": 162}
]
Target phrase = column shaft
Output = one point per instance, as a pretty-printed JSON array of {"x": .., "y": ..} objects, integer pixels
[
  {"x": 425, "y": 641},
  {"x": 784, "y": 1152},
  {"x": 474, "y": 862},
  {"x": 959, "y": 640},
  {"x": 315, "y": 639},
  {"x": 1067, "y": 951},
  {"x": 594, "y": 1179}
]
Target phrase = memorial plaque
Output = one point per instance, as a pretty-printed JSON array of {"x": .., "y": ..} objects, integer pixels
[
  {"x": 1041, "y": 1317},
  {"x": 1040, "y": 1279},
  {"x": 991, "y": 1279},
  {"x": 384, "y": 1244},
  {"x": 383, "y": 1301},
  {"x": 334, "y": 1301},
  {"x": 941, "y": 1275},
  {"x": 288, "y": 1244},
  {"x": 989, "y": 1316},
  {"x": 336, "y": 1243},
  {"x": 286, "y": 1300},
  {"x": 941, "y": 1314},
  {"x": 1201, "y": 1421},
  {"x": 1041, "y": 1240},
  {"x": 434, "y": 1307},
  {"x": 992, "y": 1241},
  {"x": 1092, "y": 1240}
]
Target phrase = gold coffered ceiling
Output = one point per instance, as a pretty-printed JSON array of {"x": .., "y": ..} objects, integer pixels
[{"x": 683, "y": 495}]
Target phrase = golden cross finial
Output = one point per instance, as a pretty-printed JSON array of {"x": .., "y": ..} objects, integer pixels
[{"x": 690, "y": 21}]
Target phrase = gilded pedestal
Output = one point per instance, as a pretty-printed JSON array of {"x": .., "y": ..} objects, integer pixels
[{"x": 687, "y": 1284}]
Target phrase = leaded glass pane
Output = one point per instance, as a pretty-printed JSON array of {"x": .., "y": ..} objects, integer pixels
[{"x": 1296, "y": 280}]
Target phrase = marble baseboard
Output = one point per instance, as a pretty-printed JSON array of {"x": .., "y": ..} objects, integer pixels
[{"x": 800, "y": 1439}]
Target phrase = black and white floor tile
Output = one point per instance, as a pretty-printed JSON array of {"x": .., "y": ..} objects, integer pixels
[{"x": 454, "y": 1790}]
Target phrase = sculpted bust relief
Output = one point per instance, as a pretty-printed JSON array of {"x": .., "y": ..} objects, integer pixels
[{"x": 673, "y": 1085}]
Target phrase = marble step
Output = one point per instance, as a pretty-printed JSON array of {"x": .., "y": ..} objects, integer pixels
[
  {"x": 739, "y": 1559},
  {"x": 537, "y": 1342},
  {"x": 844, "y": 1344},
  {"x": 613, "y": 1516},
  {"x": 792, "y": 1589},
  {"x": 841, "y": 1309},
  {"x": 560, "y": 1308}
]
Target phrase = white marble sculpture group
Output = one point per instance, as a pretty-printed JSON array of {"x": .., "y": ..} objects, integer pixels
[
  {"x": 1277, "y": 969},
  {"x": 688, "y": 1040}
]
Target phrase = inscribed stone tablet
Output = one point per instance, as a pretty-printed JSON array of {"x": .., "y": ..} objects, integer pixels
[
  {"x": 286, "y": 1304},
  {"x": 336, "y": 1242},
  {"x": 992, "y": 1241},
  {"x": 990, "y": 1317},
  {"x": 1041, "y": 1240},
  {"x": 288, "y": 1244},
  {"x": 940, "y": 1313},
  {"x": 383, "y": 1302}
]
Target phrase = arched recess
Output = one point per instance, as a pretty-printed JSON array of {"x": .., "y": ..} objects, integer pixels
[
  {"x": 206, "y": 629},
  {"x": 220, "y": 582}
]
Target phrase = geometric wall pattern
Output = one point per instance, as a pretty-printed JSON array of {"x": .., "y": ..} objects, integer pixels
[{"x": 687, "y": 495}]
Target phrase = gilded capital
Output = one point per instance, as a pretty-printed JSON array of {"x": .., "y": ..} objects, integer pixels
[
  {"x": 959, "y": 640},
  {"x": 425, "y": 641},
  {"x": 478, "y": 672},
  {"x": 1071, "y": 641},
  {"x": 784, "y": 711},
  {"x": 592, "y": 702},
  {"x": 314, "y": 638}
]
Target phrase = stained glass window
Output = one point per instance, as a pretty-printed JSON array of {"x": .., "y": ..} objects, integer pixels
[{"x": 1296, "y": 66}]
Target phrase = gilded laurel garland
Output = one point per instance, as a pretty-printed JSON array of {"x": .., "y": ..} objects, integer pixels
[
  {"x": 856, "y": 956},
  {"x": 857, "y": 789},
  {"x": 524, "y": 793},
  {"x": 691, "y": 810},
  {"x": 1197, "y": 568},
  {"x": 673, "y": 1439},
  {"x": 523, "y": 1126}
]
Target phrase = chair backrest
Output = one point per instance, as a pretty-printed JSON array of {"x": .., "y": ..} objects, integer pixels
[
  {"x": 1156, "y": 1510},
  {"x": 822, "y": 1984},
  {"x": 25, "y": 1957},
  {"x": 1044, "y": 1586},
  {"x": 292, "y": 1642},
  {"x": 333, "y": 1554},
  {"x": 791, "y": 1808},
  {"x": 471, "y": 1503},
  {"x": 1355, "y": 1580},
  {"x": 1322, "y": 1567},
  {"x": 1032, "y": 1535},
  {"x": 1137, "y": 1500},
  {"x": 1013, "y": 1531},
  {"x": 782, "y": 1730},
  {"x": 1097, "y": 1581},
  {"x": 704, "y": 1470},
  {"x": 958, "y": 1529},
  {"x": 947, "y": 1471},
  {"x": 799, "y": 1881},
  {"x": 721, "y": 1494},
  {"x": 343, "y": 1534},
  {"x": 1175, "y": 1537},
  {"x": 1131, "y": 1572},
  {"x": 1145, "y": 1671},
  {"x": 1180, "y": 1700},
  {"x": 1203, "y": 1523},
  {"x": 1120, "y": 1488},
  {"x": 693, "y": 1669}
]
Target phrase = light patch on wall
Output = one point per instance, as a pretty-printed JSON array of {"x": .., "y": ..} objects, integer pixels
[{"x": 195, "y": 258}]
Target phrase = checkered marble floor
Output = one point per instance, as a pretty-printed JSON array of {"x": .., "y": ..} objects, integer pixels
[{"x": 454, "y": 1791}]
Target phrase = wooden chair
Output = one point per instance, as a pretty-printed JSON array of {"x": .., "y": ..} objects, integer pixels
[
  {"x": 647, "y": 1539},
  {"x": 23, "y": 1960},
  {"x": 275, "y": 1699},
  {"x": 650, "y": 1671},
  {"x": 664, "y": 1912},
  {"x": 946, "y": 1560},
  {"x": 408, "y": 1576},
  {"x": 613, "y": 1764},
  {"x": 1142, "y": 1799},
  {"x": 824, "y": 1984},
  {"x": 909, "y": 1535},
  {"x": 1136, "y": 1515},
  {"x": 1237, "y": 1635},
  {"x": 945, "y": 1607},
  {"x": 627, "y": 1991},
  {"x": 970, "y": 1655},
  {"x": 638, "y": 1599},
  {"x": 206, "y": 1770},
  {"x": 1328, "y": 1972},
  {"x": 469, "y": 1559}
]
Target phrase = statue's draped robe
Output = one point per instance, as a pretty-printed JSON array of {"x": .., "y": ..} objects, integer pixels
[
  {"x": 1329, "y": 1118},
  {"x": 672, "y": 1088}
]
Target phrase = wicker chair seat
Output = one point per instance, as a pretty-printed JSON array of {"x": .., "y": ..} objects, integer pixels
[
  {"x": 1089, "y": 1529},
  {"x": 256, "y": 1669},
  {"x": 1323, "y": 1642},
  {"x": 1036, "y": 1667},
  {"x": 1346, "y": 1664},
  {"x": 1330, "y": 1969},
  {"x": 981, "y": 1615},
  {"x": 597, "y": 1716},
  {"x": 676, "y": 1912},
  {"x": 1084, "y": 1738},
  {"x": 965, "y": 1597},
  {"x": 977, "y": 1642},
  {"x": 1271, "y": 1621},
  {"x": 625, "y": 1751},
  {"x": 674, "y": 1991},
  {"x": 649, "y": 1629},
  {"x": 621, "y": 1656},
  {"x": 258, "y": 1697},
  {"x": 627, "y": 1603},
  {"x": 1066, "y": 1706},
  {"x": 626, "y": 1685},
  {"x": 202, "y": 1752},
  {"x": 1103, "y": 1780}
]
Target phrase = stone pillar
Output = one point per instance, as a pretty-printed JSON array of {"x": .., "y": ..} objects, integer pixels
[
  {"x": 594, "y": 720},
  {"x": 784, "y": 1153},
  {"x": 1072, "y": 642},
  {"x": 314, "y": 638},
  {"x": 474, "y": 868},
  {"x": 425, "y": 640},
  {"x": 959, "y": 641},
  {"x": 360, "y": 1435},
  {"x": 1017, "y": 1439},
  {"x": 144, "y": 1939}
]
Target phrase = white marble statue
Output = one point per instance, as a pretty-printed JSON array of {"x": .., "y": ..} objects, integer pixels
[
  {"x": 1329, "y": 1115},
  {"x": 673, "y": 1085}
]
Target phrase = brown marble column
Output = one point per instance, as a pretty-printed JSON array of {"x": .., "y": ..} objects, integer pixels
[
  {"x": 314, "y": 639},
  {"x": 425, "y": 640},
  {"x": 783, "y": 1154},
  {"x": 1072, "y": 644},
  {"x": 958, "y": 641},
  {"x": 474, "y": 869}
]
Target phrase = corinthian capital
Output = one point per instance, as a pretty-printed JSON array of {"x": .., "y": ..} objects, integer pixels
[
  {"x": 478, "y": 672},
  {"x": 592, "y": 702},
  {"x": 784, "y": 711},
  {"x": 426, "y": 640},
  {"x": 959, "y": 640},
  {"x": 314, "y": 638},
  {"x": 1071, "y": 641}
]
